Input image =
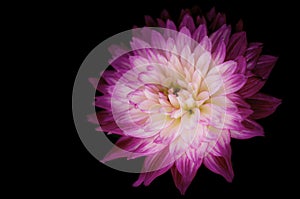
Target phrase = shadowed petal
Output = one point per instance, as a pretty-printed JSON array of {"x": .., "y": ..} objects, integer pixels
[
  {"x": 149, "y": 21},
  {"x": 252, "y": 53},
  {"x": 200, "y": 33},
  {"x": 183, "y": 172},
  {"x": 263, "y": 105},
  {"x": 219, "y": 161},
  {"x": 218, "y": 21},
  {"x": 237, "y": 45},
  {"x": 252, "y": 86},
  {"x": 188, "y": 22},
  {"x": 148, "y": 177},
  {"x": 250, "y": 129},
  {"x": 264, "y": 66},
  {"x": 222, "y": 34}
]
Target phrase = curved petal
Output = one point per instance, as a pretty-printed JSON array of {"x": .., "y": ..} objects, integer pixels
[
  {"x": 183, "y": 172},
  {"x": 264, "y": 66},
  {"x": 219, "y": 160},
  {"x": 249, "y": 129},
  {"x": 237, "y": 45},
  {"x": 220, "y": 165},
  {"x": 188, "y": 22},
  {"x": 263, "y": 105}
]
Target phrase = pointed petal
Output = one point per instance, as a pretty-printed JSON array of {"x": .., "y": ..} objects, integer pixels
[
  {"x": 171, "y": 25},
  {"x": 200, "y": 33},
  {"x": 234, "y": 83},
  {"x": 218, "y": 21},
  {"x": 157, "y": 40},
  {"x": 183, "y": 39},
  {"x": 219, "y": 54},
  {"x": 263, "y": 105},
  {"x": 164, "y": 15},
  {"x": 213, "y": 83},
  {"x": 211, "y": 14},
  {"x": 188, "y": 22},
  {"x": 250, "y": 129},
  {"x": 203, "y": 63},
  {"x": 264, "y": 66},
  {"x": 183, "y": 172},
  {"x": 239, "y": 26},
  {"x": 132, "y": 148},
  {"x": 161, "y": 23},
  {"x": 103, "y": 101},
  {"x": 237, "y": 45},
  {"x": 226, "y": 69},
  {"x": 148, "y": 177},
  {"x": 149, "y": 21},
  {"x": 244, "y": 109},
  {"x": 252, "y": 53},
  {"x": 222, "y": 34},
  {"x": 219, "y": 160},
  {"x": 252, "y": 86},
  {"x": 206, "y": 44},
  {"x": 200, "y": 20},
  {"x": 158, "y": 161},
  {"x": 241, "y": 65},
  {"x": 220, "y": 165}
]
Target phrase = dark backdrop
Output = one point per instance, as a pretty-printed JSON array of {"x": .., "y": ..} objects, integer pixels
[{"x": 263, "y": 166}]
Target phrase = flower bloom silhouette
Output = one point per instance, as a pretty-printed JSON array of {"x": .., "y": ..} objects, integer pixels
[{"x": 182, "y": 95}]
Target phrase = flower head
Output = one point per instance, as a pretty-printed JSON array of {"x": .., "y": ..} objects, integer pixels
[{"x": 181, "y": 95}]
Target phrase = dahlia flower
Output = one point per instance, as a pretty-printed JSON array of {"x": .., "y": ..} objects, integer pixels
[{"x": 182, "y": 93}]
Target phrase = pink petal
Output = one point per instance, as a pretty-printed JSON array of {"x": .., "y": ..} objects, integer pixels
[
  {"x": 244, "y": 109},
  {"x": 250, "y": 129},
  {"x": 148, "y": 177},
  {"x": 203, "y": 63},
  {"x": 168, "y": 134},
  {"x": 252, "y": 86},
  {"x": 200, "y": 20},
  {"x": 214, "y": 83},
  {"x": 103, "y": 101},
  {"x": 200, "y": 33},
  {"x": 241, "y": 65},
  {"x": 161, "y": 23},
  {"x": 237, "y": 45},
  {"x": 171, "y": 25},
  {"x": 234, "y": 83},
  {"x": 226, "y": 69},
  {"x": 252, "y": 53},
  {"x": 263, "y": 105},
  {"x": 206, "y": 44},
  {"x": 188, "y": 22},
  {"x": 222, "y": 34},
  {"x": 219, "y": 54},
  {"x": 178, "y": 147},
  {"x": 158, "y": 161},
  {"x": 264, "y": 66},
  {"x": 218, "y": 21},
  {"x": 183, "y": 173},
  {"x": 220, "y": 165},
  {"x": 211, "y": 14},
  {"x": 183, "y": 39},
  {"x": 132, "y": 148},
  {"x": 149, "y": 21},
  {"x": 222, "y": 147},
  {"x": 157, "y": 40}
]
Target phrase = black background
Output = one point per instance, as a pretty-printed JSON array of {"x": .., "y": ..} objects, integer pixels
[{"x": 263, "y": 166}]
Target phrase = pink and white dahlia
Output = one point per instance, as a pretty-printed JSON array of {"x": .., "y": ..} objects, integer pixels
[{"x": 182, "y": 93}]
